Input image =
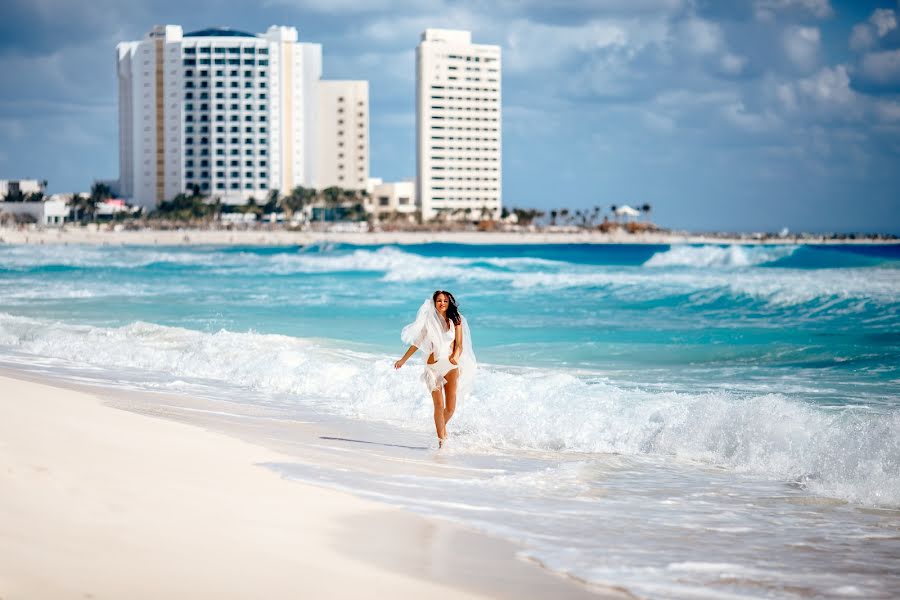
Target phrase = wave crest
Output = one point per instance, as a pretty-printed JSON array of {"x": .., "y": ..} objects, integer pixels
[
  {"x": 848, "y": 453},
  {"x": 733, "y": 256}
]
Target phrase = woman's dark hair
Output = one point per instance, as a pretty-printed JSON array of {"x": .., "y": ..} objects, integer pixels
[{"x": 452, "y": 308}]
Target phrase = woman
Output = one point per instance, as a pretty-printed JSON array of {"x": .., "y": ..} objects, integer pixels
[{"x": 441, "y": 331}]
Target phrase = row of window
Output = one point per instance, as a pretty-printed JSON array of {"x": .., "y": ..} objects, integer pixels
[
  {"x": 204, "y": 118},
  {"x": 465, "y": 98},
  {"x": 221, "y": 152},
  {"x": 466, "y": 158},
  {"x": 466, "y": 178},
  {"x": 201, "y": 107},
  {"x": 467, "y": 168},
  {"x": 463, "y": 108},
  {"x": 221, "y": 163},
  {"x": 457, "y": 128},
  {"x": 205, "y": 141},
  {"x": 224, "y": 50},
  {"x": 464, "y": 189},
  {"x": 487, "y": 59},
  {"x": 476, "y": 79},
  {"x": 467, "y": 149},
  {"x": 221, "y": 84},
  {"x": 232, "y": 73},
  {"x": 458, "y": 118},
  {"x": 247, "y": 62},
  {"x": 204, "y": 185},
  {"x": 464, "y": 199},
  {"x": 221, "y": 96},
  {"x": 458, "y": 88},
  {"x": 232, "y": 175},
  {"x": 465, "y": 139},
  {"x": 220, "y": 129}
]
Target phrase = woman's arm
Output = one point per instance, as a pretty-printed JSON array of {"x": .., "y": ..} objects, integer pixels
[
  {"x": 457, "y": 345},
  {"x": 409, "y": 352}
]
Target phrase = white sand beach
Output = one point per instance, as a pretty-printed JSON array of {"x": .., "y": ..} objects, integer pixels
[
  {"x": 99, "y": 502},
  {"x": 279, "y": 237}
]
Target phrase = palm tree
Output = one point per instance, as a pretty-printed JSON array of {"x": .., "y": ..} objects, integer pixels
[
  {"x": 297, "y": 200},
  {"x": 100, "y": 192},
  {"x": 645, "y": 208},
  {"x": 77, "y": 202},
  {"x": 553, "y": 214}
]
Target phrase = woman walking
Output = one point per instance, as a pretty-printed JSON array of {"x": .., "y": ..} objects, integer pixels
[{"x": 442, "y": 332}]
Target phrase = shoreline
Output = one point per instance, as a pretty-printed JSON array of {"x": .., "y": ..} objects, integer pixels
[
  {"x": 250, "y": 237},
  {"x": 120, "y": 502}
]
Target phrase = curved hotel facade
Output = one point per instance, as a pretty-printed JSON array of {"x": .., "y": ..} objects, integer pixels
[{"x": 230, "y": 113}]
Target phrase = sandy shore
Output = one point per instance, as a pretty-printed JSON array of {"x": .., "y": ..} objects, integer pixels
[
  {"x": 149, "y": 237},
  {"x": 98, "y": 502}
]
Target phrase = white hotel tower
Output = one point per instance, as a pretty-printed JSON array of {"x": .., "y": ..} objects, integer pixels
[
  {"x": 458, "y": 125},
  {"x": 230, "y": 112}
]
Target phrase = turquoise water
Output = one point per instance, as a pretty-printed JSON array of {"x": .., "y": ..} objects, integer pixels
[{"x": 611, "y": 375}]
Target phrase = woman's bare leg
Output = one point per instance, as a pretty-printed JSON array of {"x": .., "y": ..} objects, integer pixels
[
  {"x": 437, "y": 397},
  {"x": 450, "y": 396}
]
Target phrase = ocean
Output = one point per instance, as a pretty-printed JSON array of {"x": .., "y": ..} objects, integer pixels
[{"x": 679, "y": 421}]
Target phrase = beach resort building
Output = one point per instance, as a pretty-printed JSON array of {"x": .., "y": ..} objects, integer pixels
[
  {"x": 343, "y": 134},
  {"x": 393, "y": 201},
  {"x": 20, "y": 186},
  {"x": 231, "y": 113},
  {"x": 458, "y": 126}
]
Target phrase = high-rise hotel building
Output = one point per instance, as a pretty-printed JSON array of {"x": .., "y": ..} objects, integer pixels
[
  {"x": 458, "y": 126},
  {"x": 231, "y": 113}
]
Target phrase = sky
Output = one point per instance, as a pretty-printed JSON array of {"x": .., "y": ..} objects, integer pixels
[{"x": 744, "y": 115}]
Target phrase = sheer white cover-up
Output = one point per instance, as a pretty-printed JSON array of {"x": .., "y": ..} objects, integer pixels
[{"x": 427, "y": 333}]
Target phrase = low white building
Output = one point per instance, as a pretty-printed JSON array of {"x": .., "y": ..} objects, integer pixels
[
  {"x": 25, "y": 186},
  {"x": 53, "y": 212},
  {"x": 393, "y": 200}
]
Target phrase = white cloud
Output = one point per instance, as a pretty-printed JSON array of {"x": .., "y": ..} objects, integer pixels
[
  {"x": 355, "y": 7},
  {"x": 738, "y": 115},
  {"x": 700, "y": 36},
  {"x": 802, "y": 46},
  {"x": 882, "y": 67},
  {"x": 861, "y": 37},
  {"x": 766, "y": 10},
  {"x": 888, "y": 110},
  {"x": 881, "y": 22},
  {"x": 824, "y": 96},
  {"x": 535, "y": 46},
  {"x": 731, "y": 64},
  {"x": 884, "y": 20}
]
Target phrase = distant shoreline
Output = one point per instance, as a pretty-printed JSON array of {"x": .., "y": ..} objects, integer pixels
[{"x": 261, "y": 237}]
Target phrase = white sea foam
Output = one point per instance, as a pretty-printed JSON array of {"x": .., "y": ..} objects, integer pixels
[
  {"x": 719, "y": 256},
  {"x": 853, "y": 454}
]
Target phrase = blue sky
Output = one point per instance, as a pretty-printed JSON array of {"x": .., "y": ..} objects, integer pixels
[{"x": 743, "y": 115}]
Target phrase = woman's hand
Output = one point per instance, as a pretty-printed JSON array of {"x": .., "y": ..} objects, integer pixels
[
  {"x": 453, "y": 360},
  {"x": 398, "y": 364}
]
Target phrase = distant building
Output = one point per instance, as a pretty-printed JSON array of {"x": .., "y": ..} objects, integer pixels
[
  {"x": 458, "y": 126},
  {"x": 390, "y": 201},
  {"x": 343, "y": 135},
  {"x": 16, "y": 186},
  {"x": 232, "y": 113},
  {"x": 51, "y": 212}
]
